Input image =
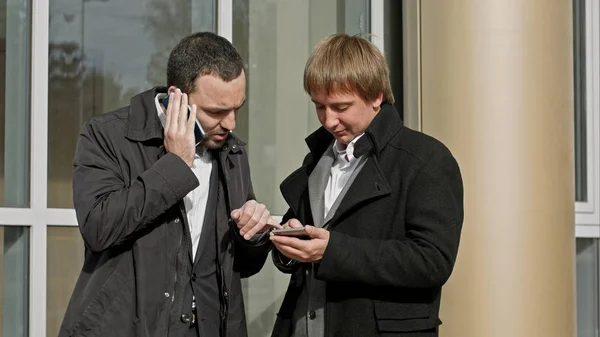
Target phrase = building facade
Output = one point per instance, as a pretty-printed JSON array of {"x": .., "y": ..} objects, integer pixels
[{"x": 512, "y": 87}]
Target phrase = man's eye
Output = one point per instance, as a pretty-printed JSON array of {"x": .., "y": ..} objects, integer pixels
[{"x": 341, "y": 107}]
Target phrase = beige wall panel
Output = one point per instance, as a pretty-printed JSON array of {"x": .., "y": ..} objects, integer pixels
[{"x": 497, "y": 90}]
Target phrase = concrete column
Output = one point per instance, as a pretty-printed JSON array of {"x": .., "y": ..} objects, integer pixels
[{"x": 497, "y": 89}]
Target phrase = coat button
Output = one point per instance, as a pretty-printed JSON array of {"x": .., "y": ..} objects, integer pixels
[
  {"x": 185, "y": 318},
  {"x": 225, "y": 294},
  {"x": 194, "y": 277},
  {"x": 312, "y": 314},
  {"x": 167, "y": 295},
  {"x": 177, "y": 220}
]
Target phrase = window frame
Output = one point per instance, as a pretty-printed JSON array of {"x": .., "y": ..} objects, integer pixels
[
  {"x": 38, "y": 217},
  {"x": 587, "y": 214}
]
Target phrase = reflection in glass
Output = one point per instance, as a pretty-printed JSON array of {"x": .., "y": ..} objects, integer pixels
[
  {"x": 101, "y": 53},
  {"x": 65, "y": 259},
  {"x": 587, "y": 287},
  {"x": 14, "y": 281},
  {"x": 15, "y": 62},
  {"x": 275, "y": 39}
]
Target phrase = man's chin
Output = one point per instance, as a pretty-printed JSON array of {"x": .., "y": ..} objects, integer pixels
[{"x": 212, "y": 144}]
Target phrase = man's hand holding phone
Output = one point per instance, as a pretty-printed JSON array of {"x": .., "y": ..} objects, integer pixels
[
  {"x": 304, "y": 249},
  {"x": 179, "y": 128}
]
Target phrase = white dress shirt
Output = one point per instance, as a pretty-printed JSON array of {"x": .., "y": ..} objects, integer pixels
[
  {"x": 195, "y": 201},
  {"x": 344, "y": 164}
]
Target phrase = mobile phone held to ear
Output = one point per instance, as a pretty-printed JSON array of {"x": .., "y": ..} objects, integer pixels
[
  {"x": 298, "y": 232},
  {"x": 198, "y": 131}
]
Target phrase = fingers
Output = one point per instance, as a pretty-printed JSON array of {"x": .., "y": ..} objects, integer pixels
[
  {"x": 293, "y": 223},
  {"x": 246, "y": 213},
  {"x": 183, "y": 113},
  {"x": 178, "y": 139},
  {"x": 316, "y": 233},
  {"x": 289, "y": 252},
  {"x": 174, "y": 108},
  {"x": 253, "y": 218},
  {"x": 169, "y": 114},
  {"x": 258, "y": 225},
  {"x": 273, "y": 223},
  {"x": 192, "y": 119},
  {"x": 291, "y": 242}
]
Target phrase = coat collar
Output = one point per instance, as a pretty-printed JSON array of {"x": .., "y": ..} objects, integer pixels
[
  {"x": 143, "y": 123},
  {"x": 383, "y": 127}
]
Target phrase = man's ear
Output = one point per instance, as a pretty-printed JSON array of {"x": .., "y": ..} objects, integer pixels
[
  {"x": 171, "y": 89},
  {"x": 377, "y": 101}
]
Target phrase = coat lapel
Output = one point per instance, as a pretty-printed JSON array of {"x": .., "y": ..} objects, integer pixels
[
  {"x": 294, "y": 186},
  {"x": 317, "y": 182},
  {"x": 368, "y": 185}
]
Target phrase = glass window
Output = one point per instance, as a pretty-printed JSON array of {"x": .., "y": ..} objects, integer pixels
[
  {"x": 275, "y": 39},
  {"x": 14, "y": 281},
  {"x": 101, "y": 53},
  {"x": 579, "y": 71},
  {"x": 587, "y": 287},
  {"x": 15, "y": 61},
  {"x": 65, "y": 258}
]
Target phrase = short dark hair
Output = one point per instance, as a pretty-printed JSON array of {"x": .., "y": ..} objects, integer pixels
[{"x": 202, "y": 54}]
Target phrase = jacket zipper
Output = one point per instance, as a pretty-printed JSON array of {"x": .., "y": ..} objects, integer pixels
[{"x": 170, "y": 311}]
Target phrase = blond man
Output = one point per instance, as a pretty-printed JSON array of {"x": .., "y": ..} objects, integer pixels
[{"x": 381, "y": 205}]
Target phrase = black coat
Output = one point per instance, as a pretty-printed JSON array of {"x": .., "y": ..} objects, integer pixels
[
  {"x": 128, "y": 198},
  {"x": 393, "y": 239}
]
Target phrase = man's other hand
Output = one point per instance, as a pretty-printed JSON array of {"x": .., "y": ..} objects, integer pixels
[{"x": 253, "y": 218}]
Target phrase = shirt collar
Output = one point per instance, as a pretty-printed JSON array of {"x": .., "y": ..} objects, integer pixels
[
  {"x": 348, "y": 152},
  {"x": 159, "y": 108}
]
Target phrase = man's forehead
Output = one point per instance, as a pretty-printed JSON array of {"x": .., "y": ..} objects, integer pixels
[{"x": 334, "y": 97}]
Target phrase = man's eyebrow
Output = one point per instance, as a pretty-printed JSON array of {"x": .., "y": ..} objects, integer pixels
[
  {"x": 335, "y": 103},
  {"x": 224, "y": 108}
]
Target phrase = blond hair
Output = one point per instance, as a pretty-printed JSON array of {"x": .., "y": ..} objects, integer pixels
[{"x": 348, "y": 63}]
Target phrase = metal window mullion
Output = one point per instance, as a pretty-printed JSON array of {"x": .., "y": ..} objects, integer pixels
[
  {"x": 225, "y": 19},
  {"x": 597, "y": 302},
  {"x": 377, "y": 24},
  {"x": 39, "y": 167}
]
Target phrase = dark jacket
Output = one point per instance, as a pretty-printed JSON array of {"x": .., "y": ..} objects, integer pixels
[
  {"x": 128, "y": 198},
  {"x": 393, "y": 239}
]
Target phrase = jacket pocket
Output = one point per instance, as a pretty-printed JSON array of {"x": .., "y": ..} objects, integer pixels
[
  {"x": 105, "y": 313},
  {"x": 403, "y": 317}
]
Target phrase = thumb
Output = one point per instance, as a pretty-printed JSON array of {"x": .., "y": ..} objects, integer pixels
[
  {"x": 235, "y": 214},
  {"x": 315, "y": 233},
  {"x": 294, "y": 223}
]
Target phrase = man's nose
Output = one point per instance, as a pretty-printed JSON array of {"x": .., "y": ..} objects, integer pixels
[
  {"x": 331, "y": 120},
  {"x": 228, "y": 122}
]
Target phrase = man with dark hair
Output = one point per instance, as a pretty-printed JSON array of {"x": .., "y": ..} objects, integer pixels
[{"x": 168, "y": 218}]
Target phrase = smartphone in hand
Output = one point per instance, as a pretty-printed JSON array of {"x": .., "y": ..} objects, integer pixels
[
  {"x": 298, "y": 232},
  {"x": 198, "y": 131}
]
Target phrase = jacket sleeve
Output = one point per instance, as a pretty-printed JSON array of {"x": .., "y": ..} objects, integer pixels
[
  {"x": 250, "y": 255},
  {"x": 109, "y": 212},
  {"x": 434, "y": 215},
  {"x": 282, "y": 262}
]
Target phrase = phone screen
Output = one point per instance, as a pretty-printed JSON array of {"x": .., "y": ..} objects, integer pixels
[{"x": 198, "y": 131}]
